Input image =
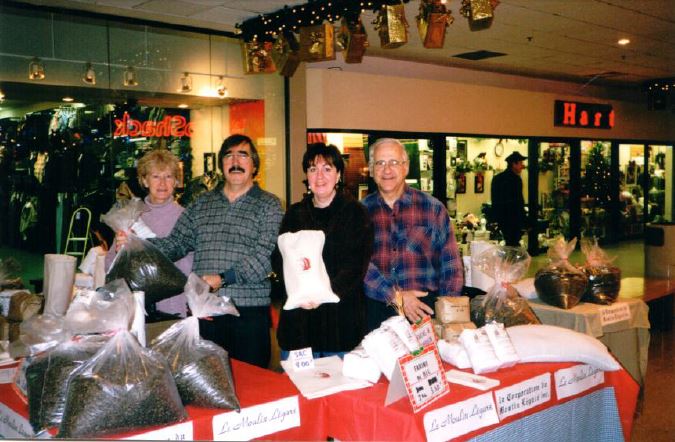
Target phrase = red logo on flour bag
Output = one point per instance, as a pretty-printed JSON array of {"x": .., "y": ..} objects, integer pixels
[{"x": 305, "y": 264}]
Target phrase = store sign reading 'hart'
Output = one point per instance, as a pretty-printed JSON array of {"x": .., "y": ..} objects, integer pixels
[
  {"x": 589, "y": 115},
  {"x": 169, "y": 126}
]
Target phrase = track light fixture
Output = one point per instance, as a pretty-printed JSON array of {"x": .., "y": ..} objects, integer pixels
[
  {"x": 89, "y": 76},
  {"x": 36, "y": 69},
  {"x": 130, "y": 77}
]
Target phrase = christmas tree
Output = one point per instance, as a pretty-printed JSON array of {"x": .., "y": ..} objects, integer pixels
[{"x": 595, "y": 183}]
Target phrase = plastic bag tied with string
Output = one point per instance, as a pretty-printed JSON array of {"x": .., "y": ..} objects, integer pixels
[
  {"x": 107, "y": 309},
  {"x": 142, "y": 265},
  {"x": 201, "y": 368},
  {"x": 604, "y": 279},
  {"x": 123, "y": 387},
  {"x": 560, "y": 283},
  {"x": 502, "y": 303}
]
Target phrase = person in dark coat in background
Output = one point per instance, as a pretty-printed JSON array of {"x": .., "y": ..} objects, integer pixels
[
  {"x": 329, "y": 329},
  {"x": 508, "y": 204}
]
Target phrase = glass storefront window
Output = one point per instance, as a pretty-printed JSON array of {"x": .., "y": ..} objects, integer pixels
[
  {"x": 595, "y": 188},
  {"x": 631, "y": 190},
  {"x": 660, "y": 185},
  {"x": 554, "y": 191}
]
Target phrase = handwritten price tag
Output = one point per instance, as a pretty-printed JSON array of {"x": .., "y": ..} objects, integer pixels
[
  {"x": 614, "y": 313},
  {"x": 302, "y": 359},
  {"x": 182, "y": 431},
  {"x": 424, "y": 331},
  {"x": 424, "y": 377}
]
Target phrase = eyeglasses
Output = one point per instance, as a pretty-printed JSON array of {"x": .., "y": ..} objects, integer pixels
[
  {"x": 379, "y": 164},
  {"x": 239, "y": 155}
]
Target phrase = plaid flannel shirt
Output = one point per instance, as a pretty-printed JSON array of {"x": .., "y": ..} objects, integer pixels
[
  {"x": 414, "y": 249},
  {"x": 236, "y": 237}
]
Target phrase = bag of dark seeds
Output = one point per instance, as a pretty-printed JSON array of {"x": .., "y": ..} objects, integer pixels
[
  {"x": 560, "y": 283},
  {"x": 123, "y": 387},
  {"x": 200, "y": 367},
  {"x": 47, "y": 376},
  {"x": 502, "y": 303},
  {"x": 604, "y": 279},
  {"x": 142, "y": 265}
]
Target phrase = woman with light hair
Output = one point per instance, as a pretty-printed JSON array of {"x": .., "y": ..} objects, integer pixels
[{"x": 158, "y": 173}]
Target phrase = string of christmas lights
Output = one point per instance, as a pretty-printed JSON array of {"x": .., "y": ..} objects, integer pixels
[{"x": 266, "y": 27}]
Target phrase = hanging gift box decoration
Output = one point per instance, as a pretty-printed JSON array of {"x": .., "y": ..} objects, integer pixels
[
  {"x": 285, "y": 54},
  {"x": 479, "y": 13},
  {"x": 317, "y": 43},
  {"x": 353, "y": 40},
  {"x": 392, "y": 26},
  {"x": 257, "y": 57},
  {"x": 432, "y": 21}
]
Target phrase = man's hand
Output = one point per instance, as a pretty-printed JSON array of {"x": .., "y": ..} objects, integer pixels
[
  {"x": 413, "y": 308},
  {"x": 213, "y": 281}
]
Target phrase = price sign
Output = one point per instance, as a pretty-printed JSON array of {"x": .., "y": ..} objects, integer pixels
[
  {"x": 301, "y": 359},
  {"x": 424, "y": 331},
  {"x": 614, "y": 313},
  {"x": 423, "y": 376}
]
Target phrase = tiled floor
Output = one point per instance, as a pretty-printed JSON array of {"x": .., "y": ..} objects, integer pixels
[{"x": 655, "y": 420}]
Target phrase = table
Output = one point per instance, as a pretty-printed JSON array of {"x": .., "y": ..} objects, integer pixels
[
  {"x": 361, "y": 414},
  {"x": 658, "y": 293},
  {"x": 627, "y": 339},
  {"x": 254, "y": 386}
]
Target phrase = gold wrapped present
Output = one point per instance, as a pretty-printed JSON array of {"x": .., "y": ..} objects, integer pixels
[
  {"x": 432, "y": 21},
  {"x": 353, "y": 40},
  {"x": 392, "y": 26},
  {"x": 479, "y": 12},
  {"x": 257, "y": 57},
  {"x": 317, "y": 43},
  {"x": 285, "y": 54}
]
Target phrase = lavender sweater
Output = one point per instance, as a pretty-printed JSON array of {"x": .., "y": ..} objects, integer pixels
[{"x": 161, "y": 219}]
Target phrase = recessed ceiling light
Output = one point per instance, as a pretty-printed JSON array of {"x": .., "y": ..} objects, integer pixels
[
  {"x": 183, "y": 106},
  {"x": 623, "y": 41},
  {"x": 68, "y": 99}
]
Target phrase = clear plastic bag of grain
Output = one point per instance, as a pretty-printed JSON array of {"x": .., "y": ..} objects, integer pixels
[
  {"x": 47, "y": 376},
  {"x": 604, "y": 279},
  {"x": 560, "y": 283},
  {"x": 502, "y": 303},
  {"x": 123, "y": 387},
  {"x": 107, "y": 309},
  {"x": 201, "y": 368},
  {"x": 142, "y": 265}
]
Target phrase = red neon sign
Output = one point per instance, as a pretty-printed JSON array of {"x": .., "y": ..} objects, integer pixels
[{"x": 171, "y": 125}]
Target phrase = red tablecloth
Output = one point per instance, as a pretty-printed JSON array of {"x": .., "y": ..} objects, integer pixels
[
  {"x": 361, "y": 414},
  {"x": 253, "y": 385}
]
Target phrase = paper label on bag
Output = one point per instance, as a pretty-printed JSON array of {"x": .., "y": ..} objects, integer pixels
[
  {"x": 424, "y": 377},
  {"x": 7, "y": 374},
  {"x": 302, "y": 359},
  {"x": 424, "y": 331},
  {"x": 524, "y": 395},
  {"x": 463, "y": 417},
  {"x": 614, "y": 313},
  {"x": 13, "y": 425},
  {"x": 574, "y": 380},
  {"x": 183, "y": 431},
  {"x": 257, "y": 421}
]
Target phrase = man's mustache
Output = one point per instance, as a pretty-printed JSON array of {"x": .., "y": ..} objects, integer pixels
[{"x": 235, "y": 169}]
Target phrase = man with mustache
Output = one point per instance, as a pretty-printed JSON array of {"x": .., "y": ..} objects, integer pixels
[{"x": 232, "y": 231}]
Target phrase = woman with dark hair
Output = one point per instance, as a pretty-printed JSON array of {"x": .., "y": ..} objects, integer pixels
[{"x": 328, "y": 329}]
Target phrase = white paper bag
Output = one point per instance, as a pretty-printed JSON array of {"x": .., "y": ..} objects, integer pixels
[
  {"x": 478, "y": 278},
  {"x": 59, "y": 278},
  {"x": 305, "y": 275},
  {"x": 99, "y": 271}
]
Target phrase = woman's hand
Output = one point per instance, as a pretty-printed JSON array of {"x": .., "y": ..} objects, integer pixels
[
  {"x": 213, "y": 281},
  {"x": 121, "y": 239}
]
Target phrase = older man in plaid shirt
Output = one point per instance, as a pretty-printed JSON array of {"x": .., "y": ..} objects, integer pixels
[{"x": 415, "y": 257}]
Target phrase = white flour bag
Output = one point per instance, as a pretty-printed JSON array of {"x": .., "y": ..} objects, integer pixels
[{"x": 305, "y": 275}]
